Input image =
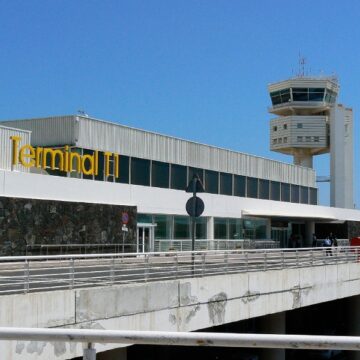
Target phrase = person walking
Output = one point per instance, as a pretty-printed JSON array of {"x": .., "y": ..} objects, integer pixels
[{"x": 328, "y": 243}]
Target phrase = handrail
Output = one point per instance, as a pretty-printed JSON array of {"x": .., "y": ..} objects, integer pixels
[{"x": 316, "y": 342}]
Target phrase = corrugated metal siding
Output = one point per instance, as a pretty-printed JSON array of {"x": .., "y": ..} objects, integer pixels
[
  {"x": 104, "y": 136},
  {"x": 50, "y": 131},
  {"x": 95, "y": 134},
  {"x": 6, "y": 147}
]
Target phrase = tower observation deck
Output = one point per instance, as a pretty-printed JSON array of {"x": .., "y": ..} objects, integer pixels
[{"x": 310, "y": 122}]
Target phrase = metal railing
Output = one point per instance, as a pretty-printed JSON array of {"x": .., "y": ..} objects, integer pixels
[
  {"x": 159, "y": 246},
  {"x": 214, "y": 244},
  {"x": 44, "y": 273},
  {"x": 90, "y": 337}
]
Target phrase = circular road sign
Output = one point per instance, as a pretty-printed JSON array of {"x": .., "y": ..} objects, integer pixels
[
  {"x": 195, "y": 208},
  {"x": 124, "y": 217}
]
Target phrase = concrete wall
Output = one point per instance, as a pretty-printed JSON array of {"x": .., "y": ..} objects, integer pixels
[
  {"x": 30, "y": 222},
  {"x": 178, "y": 305}
]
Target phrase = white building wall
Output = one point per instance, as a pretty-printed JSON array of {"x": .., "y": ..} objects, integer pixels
[
  {"x": 341, "y": 159},
  {"x": 156, "y": 200}
]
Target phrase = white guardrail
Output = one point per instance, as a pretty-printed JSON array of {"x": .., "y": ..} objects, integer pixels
[
  {"x": 90, "y": 337},
  {"x": 44, "y": 273}
]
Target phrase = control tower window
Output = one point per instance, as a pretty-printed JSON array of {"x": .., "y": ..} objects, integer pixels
[
  {"x": 285, "y": 126},
  {"x": 275, "y": 97},
  {"x": 330, "y": 96},
  {"x": 274, "y": 128},
  {"x": 280, "y": 97},
  {"x": 316, "y": 94},
  {"x": 300, "y": 94}
]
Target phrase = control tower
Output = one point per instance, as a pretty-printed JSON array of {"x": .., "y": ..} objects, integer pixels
[{"x": 311, "y": 122}]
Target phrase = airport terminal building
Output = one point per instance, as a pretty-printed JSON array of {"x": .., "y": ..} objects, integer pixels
[{"x": 78, "y": 180}]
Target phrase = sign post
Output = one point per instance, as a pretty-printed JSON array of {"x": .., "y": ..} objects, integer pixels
[
  {"x": 124, "y": 228},
  {"x": 194, "y": 207}
]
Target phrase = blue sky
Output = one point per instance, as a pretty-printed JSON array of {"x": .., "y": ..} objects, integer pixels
[{"x": 196, "y": 69}]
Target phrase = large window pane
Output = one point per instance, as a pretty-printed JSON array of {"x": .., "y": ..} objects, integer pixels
[
  {"x": 285, "y": 192},
  {"x": 274, "y": 190},
  {"x": 260, "y": 229},
  {"x": 181, "y": 227},
  {"x": 200, "y": 228},
  {"x": 199, "y": 172},
  {"x": 123, "y": 170},
  {"x": 313, "y": 196},
  {"x": 211, "y": 182},
  {"x": 316, "y": 94},
  {"x": 160, "y": 174},
  {"x": 285, "y": 95},
  {"x": 304, "y": 194},
  {"x": 239, "y": 185},
  {"x": 295, "y": 193},
  {"x": 225, "y": 184},
  {"x": 264, "y": 189},
  {"x": 140, "y": 171},
  {"x": 220, "y": 228},
  {"x": 178, "y": 177},
  {"x": 144, "y": 218},
  {"x": 163, "y": 226},
  {"x": 300, "y": 94},
  {"x": 235, "y": 229},
  {"x": 275, "y": 97},
  {"x": 252, "y": 187}
]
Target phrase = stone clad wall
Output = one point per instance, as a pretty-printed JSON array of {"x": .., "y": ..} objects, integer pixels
[{"x": 38, "y": 222}]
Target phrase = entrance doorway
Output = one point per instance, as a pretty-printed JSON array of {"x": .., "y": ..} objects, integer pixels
[{"x": 145, "y": 237}]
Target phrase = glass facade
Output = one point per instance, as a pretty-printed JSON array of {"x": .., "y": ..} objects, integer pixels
[
  {"x": 178, "y": 177},
  {"x": 211, "y": 182},
  {"x": 181, "y": 227},
  {"x": 252, "y": 187},
  {"x": 124, "y": 170},
  {"x": 231, "y": 229},
  {"x": 163, "y": 226},
  {"x": 165, "y": 175},
  {"x": 239, "y": 185},
  {"x": 285, "y": 192},
  {"x": 295, "y": 193},
  {"x": 140, "y": 171},
  {"x": 225, "y": 184},
  {"x": 160, "y": 174},
  {"x": 220, "y": 228},
  {"x": 264, "y": 189},
  {"x": 275, "y": 190},
  {"x": 302, "y": 94}
]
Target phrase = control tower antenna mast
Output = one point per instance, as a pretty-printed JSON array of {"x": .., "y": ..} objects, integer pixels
[{"x": 302, "y": 62}]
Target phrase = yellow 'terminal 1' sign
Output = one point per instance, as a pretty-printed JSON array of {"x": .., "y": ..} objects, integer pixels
[{"x": 87, "y": 164}]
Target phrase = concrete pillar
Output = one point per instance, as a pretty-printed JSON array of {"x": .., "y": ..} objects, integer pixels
[
  {"x": 268, "y": 228},
  {"x": 210, "y": 232},
  {"x": 353, "y": 321},
  {"x": 309, "y": 231},
  {"x": 273, "y": 324}
]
